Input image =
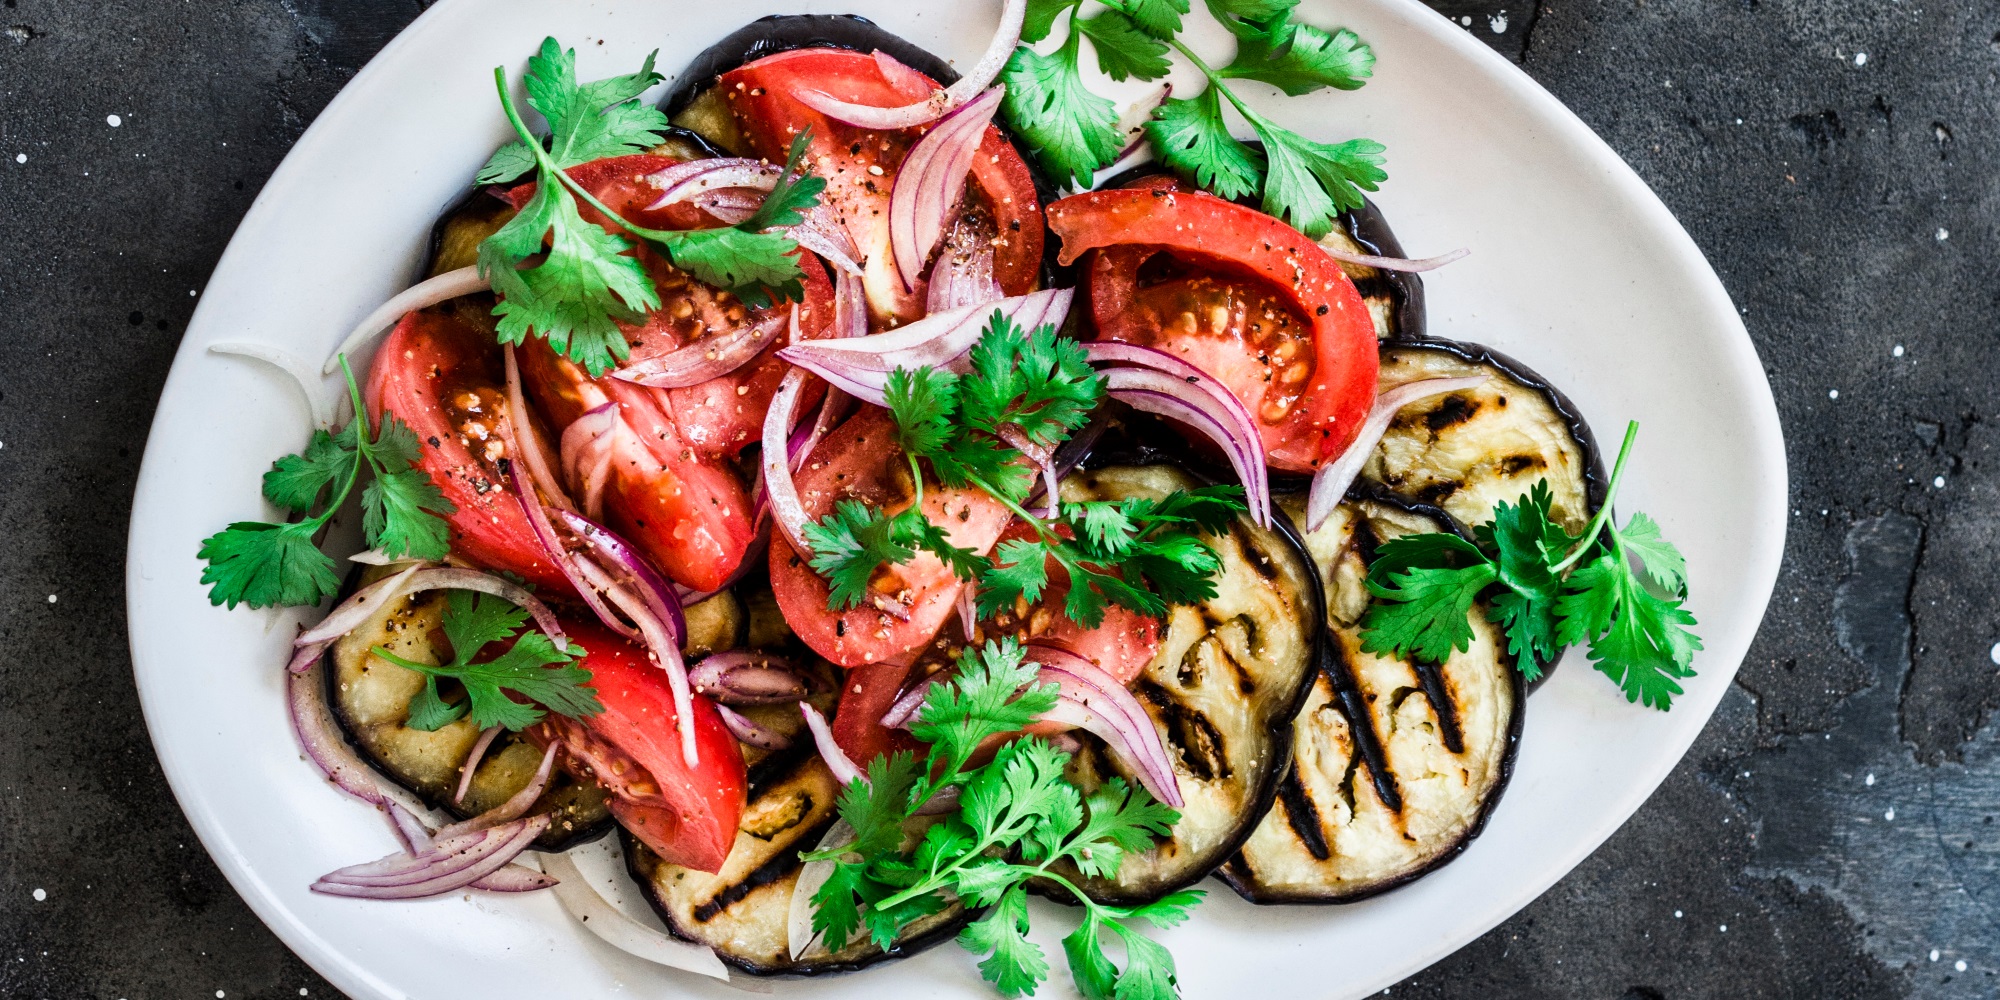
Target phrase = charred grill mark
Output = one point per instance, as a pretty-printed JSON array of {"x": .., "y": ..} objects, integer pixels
[
  {"x": 1195, "y": 739},
  {"x": 1304, "y": 817},
  {"x": 1365, "y": 541},
  {"x": 1432, "y": 677},
  {"x": 1514, "y": 465},
  {"x": 1455, "y": 409},
  {"x": 1253, "y": 553},
  {"x": 781, "y": 864},
  {"x": 1438, "y": 492},
  {"x": 1361, "y": 722},
  {"x": 774, "y": 768}
]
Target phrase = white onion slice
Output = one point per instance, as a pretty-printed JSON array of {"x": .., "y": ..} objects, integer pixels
[
  {"x": 799, "y": 934},
  {"x": 597, "y": 915},
  {"x": 712, "y": 175},
  {"x": 786, "y": 509},
  {"x": 933, "y": 107},
  {"x": 1416, "y": 265},
  {"x": 845, "y": 772},
  {"x": 1330, "y": 483},
  {"x": 321, "y": 410},
  {"x": 931, "y": 180},
  {"x": 422, "y": 295}
]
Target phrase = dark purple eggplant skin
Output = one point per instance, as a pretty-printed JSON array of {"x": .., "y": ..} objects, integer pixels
[{"x": 1234, "y": 874}]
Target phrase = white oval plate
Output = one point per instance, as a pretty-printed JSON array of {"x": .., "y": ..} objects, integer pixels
[{"x": 1577, "y": 269}]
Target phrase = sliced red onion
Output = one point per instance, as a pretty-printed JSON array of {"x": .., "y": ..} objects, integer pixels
[
  {"x": 963, "y": 274},
  {"x": 472, "y": 762},
  {"x": 730, "y": 206},
  {"x": 366, "y": 602},
  {"x": 514, "y": 808},
  {"x": 865, "y": 384},
  {"x": 1163, "y": 395},
  {"x": 800, "y": 936},
  {"x": 715, "y": 175},
  {"x": 416, "y": 837},
  {"x": 968, "y": 608},
  {"x": 1093, "y": 701},
  {"x": 317, "y": 403},
  {"x": 452, "y": 866},
  {"x": 1043, "y": 458},
  {"x": 1069, "y": 455},
  {"x": 931, "y": 180},
  {"x": 359, "y": 607},
  {"x": 589, "y": 907},
  {"x": 519, "y": 435},
  {"x": 844, "y": 771},
  {"x": 1393, "y": 263},
  {"x": 823, "y": 234},
  {"x": 325, "y": 748},
  {"x": 938, "y": 340},
  {"x": 900, "y": 75},
  {"x": 850, "y": 307},
  {"x": 746, "y": 677},
  {"x": 376, "y": 557},
  {"x": 931, "y": 108},
  {"x": 786, "y": 510},
  {"x": 422, "y": 295},
  {"x": 1226, "y": 407},
  {"x": 909, "y": 703},
  {"x": 1132, "y": 124},
  {"x": 750, "y": 732},
  {"x": 710, "y": 357},
  {"x": 515, "y": 878},
  {"x": 1330, "y": 483}
]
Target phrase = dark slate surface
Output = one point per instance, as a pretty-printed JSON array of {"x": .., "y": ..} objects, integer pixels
[{"x": 1831, "y": 835}]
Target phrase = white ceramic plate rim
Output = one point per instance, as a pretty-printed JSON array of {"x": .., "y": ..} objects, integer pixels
[{"x": 1707, "y": 306}]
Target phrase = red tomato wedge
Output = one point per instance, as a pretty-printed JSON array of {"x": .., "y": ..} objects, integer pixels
[
  {"x": 859, "y": 460},
  {"x": 1240, "y": 295},
  {"x": 443, "y": 378},
  {"x": 868, "y": 691},
  {"x": 860, "y": 165},
  {"x": 633, "y": 750}
]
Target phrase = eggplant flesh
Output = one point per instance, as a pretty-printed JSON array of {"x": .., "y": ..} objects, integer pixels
[
  {"x": 1470, "y": 450},
  {"x": 370, "y": 698},
  {"x": 1229, "y": 673},
  {"x": 1395, "y": 299},
  {"x": 744, "y": 911},
  {"x": 1396, "y": 764}
]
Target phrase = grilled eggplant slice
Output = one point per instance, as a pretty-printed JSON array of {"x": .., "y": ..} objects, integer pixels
[
  {"x": 1469, "y": 450},
  {"x": 370, "y": 698},
  {"x": 1395, "y": 764},
  {"x": 744, "y": 912},
  {"x": 1228, "y": 674},
  {"x": 1395, "y": 298}
]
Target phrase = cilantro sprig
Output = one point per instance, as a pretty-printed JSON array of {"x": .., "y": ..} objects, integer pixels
[
  {"x": 1074, "y": 131},
  {"x": 1017, "y": 819},
  {"x": 533, "y": 667},
  {"x": 1138, "y": 553},
  {"x": 586, "y": 280},
  {"x": 1547, "y": 589},
  {"x": 263, "y": 564}
]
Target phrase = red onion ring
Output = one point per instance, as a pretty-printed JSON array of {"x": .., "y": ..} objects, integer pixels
[
  {"x": 786, "y": 510},
  {"x": 844, "y": 771},
  {"x": 514, "y": 808},
  {"x": 1330, "y": 483},
  {"x": 750, "y": 732},
  {"x": 747, "y": 677},
  {"x": 452, "y": 866},
  {"x": 521, "y": 438},
  {"x": 1163, "y": 395},
  {"x": 366, "y": 602},
  {"x": 938, "y": 340},
  {"x": 931, "y": 108},
  {"x": 823, "y": 234},
  {"x": 931, "y": 180},
  {"x": 1394, "y": 263},
  {"x": 714, "y": 175},
  {"x": 963, "y": 274},
  {"x": 422, "y": 295},
  {"x": 1113, "y": 714},
  {"x": 900, "y": 75},
  {"x": 472, "y": 762},
  {"x": 515, "y": 878},
  {"x": 710, "y": 357}
]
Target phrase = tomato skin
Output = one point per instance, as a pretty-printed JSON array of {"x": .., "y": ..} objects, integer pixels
[
  {"x": 1121, "y": 645},
  {"x": 866, "y": 694},
  {"x": 633, "y": 750},
  {"x": 860, "y": 460},
  {"x": 761, "y": 98},
  {"x": 1243, "y": 253},
  {"x": 691, "y": 517},
  {"x": 427, "y": 366}
]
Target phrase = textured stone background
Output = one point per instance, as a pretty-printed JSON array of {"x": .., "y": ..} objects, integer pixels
[{"x": 1830, "y": 836}]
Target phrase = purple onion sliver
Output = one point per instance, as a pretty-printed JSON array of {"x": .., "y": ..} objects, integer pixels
[
  {"x": 776, "y": 468},
  {"x": 844, "y": 771},
  {"x": 512, "y": 809},
  {"x": 708, "y": 358},
  {"x": 750, "y": 732},
  {"x": 719, "y": 173},
  {"x": 472, "y": 762},
  {"x": 457, "y": 872},
  {"x": 521, "y": 440},
  {"x": 359, "y": 607},
  {"x": 659, "y": 595},
  {"x": 1330, "y": 483},
  {"x": 1418, "y": 265},
  {"x": 324, "y": 747},
  {"x": 871, "y": 387},
  {"x": 1249, "y": 466},
  {"x": 515, "y": 878},
  {"x": 416, "y": 837}
]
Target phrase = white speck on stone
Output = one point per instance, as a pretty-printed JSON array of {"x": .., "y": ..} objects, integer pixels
[
  {"x": 1861, "y": 59},
  {"x": 1739, "y": 121},
  {"x": 1724, "y": 929},
  {"x": 1870, "y": 780},
  {"x": 302, "y": 991},
  {"x": 1938, "y": 482},
  {"x": 20, "y": 157},
  {"x": 1833, "y": 394},
  {"x": 1943, "y": 234},
  {"x": 1677, "y": 914},
  {"x": 190, "y": 293},
  {"x": 1897, "y": 352},
  {"x": 113, "y": 120},
  {"x": 1498, "y": 23},
  {"x": 1959, "y": 965},
  {"x": 1463, "y": 22},
  {"x": 52, "y": 598},
  {"x": 1994, "y": 653},
  {"x": 1934, "y": 954},
  {"x": 1890, "y": 815},
  {"x": 219, "y": 995}
]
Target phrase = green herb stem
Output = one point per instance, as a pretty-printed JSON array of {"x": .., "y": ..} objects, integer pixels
[{"x": 1603, "y": 511}]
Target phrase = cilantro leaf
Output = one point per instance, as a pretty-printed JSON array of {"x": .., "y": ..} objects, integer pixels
[
  {"x": 963, "y": 562},
  {"x": 267, "y": 564},
  {"x": 1299, "y": 58},
  {"x": 1190, "y": 136},
  {"x": 1039, "y": 382},
  {"x": 1422, "y": 610},
  {"x": 506, "y": 164},
  {"x": 1159, "y": 18},
  {"x": 1636, "y": 639},
  {"x": 848, "y": 545},
  {"x": 392, "y": 513},
  {"x": 1530, "y": 625},
  {"x": 797, "y": 191},
  {"x": 922, "y": 402},
  {"x": 1094, "y": 975},
  {"x": 1663, "y": 562},
  {"x": 1070, "y": 130},
  {"x": 753, "y": 265},
  {"x": 1041, "y": 17},
  {"x": 1014, "y": 965},
  {"x": 1528, "y": 544},
  {"x": 575, "y": 297},
  {"x": 1124, "y": 49},
  {"x": 837, "y": 904},
  {"x": 1172, "y": 909},
  {"x": 1307, "y": 183},
  {"x": 532, "y": 667},
  {"x": 1231, "y": 11},
  {"x": 986, "y": 699},
  {"x": 295, "y": 482},
  {"x": 1149, "y": 969}
]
